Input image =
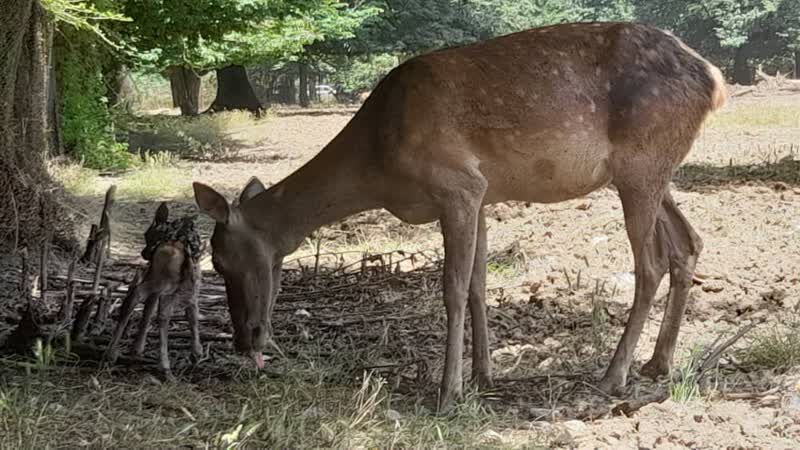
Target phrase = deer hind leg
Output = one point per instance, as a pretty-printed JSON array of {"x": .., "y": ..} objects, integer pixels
[
  {"x": 481, "y": 364},
  {"x": 144, "y": 325},
  {"x": 640, "y": 206},
  {"x": 684, "y": 248},
  {"x": 193, "y": 316},
  {"x": 126, "y": 311},
  {"x": 459, "y": 223},
  {"x": 164, "y": 315}
]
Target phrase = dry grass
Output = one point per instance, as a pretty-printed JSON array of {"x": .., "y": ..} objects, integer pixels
[
  {"x": 777, "y": 347},
  {"x": 205, "y": 137},
  {"x": 76, "y": 179},
  {"x": 158, "y": 177},
  {"x": 757, "y": 115},
  {"x": 294, "y": 408}
]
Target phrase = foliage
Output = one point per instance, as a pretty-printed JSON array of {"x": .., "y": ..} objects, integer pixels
[
  {"x": 88, "y": 129},
  {"x": 414, "y": 26},
  {"x": 726, "y": 30},
  {"x": 82, "y": 16},
  {"x": 507, "y": 16},
  {"x": 362, "y": 74}
]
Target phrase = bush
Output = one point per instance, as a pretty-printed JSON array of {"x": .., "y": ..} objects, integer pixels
[
  {"x": 363, "y": 74},
  {"x": 205, "y": 137},
  {"x": 88, "y": 128}
]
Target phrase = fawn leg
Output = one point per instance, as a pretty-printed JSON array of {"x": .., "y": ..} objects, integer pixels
[
  {"x": 144, "y": 325},
  {"x": 128, "y": 305},
  {"x": 164, "y": 315},
  {"x": 193, "y": 316}
]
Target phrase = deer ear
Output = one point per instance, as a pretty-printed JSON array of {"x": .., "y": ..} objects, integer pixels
[
  {"x": 251, "y": 189},
  {"x": 211, "y": 202},
  {"x": 162, "y": 213}
]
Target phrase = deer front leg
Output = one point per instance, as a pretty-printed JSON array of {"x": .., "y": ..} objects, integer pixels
[
  {"x": 164, "y": 316},
  {"x": 481, "y": 363},
  {"x": 459, "y": 228},
  {"x": 144, "y": 325}
]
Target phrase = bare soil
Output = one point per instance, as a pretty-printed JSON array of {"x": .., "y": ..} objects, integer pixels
[{"x": 560, "y": 284}]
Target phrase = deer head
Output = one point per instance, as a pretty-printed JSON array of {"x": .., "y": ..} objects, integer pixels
[{"x": 250, "y": 263}]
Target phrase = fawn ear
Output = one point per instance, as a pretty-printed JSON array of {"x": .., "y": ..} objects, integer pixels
[
  {"x": 162, "y": 213},
  {"x": 251, "y": 189},
  {"x": 211, "y": 202}
]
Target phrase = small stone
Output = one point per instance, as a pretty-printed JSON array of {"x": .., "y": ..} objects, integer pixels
[
  {"x": 541, "y": 413},
  {"x": 302, "y": 313},
  {"x": 393, "y": 415},
  {"x": 149, "y": 379},
  {"x": 550, "y": 342},
  {"x": 546, "y": 364},
  {"x": 492, "y": 436},
  {"x": 313, "y": 412},
  {"x": 576, "y": 427}
]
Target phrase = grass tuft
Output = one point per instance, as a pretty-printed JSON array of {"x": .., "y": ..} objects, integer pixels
[
  {"x": 776, "y": 348},
  {"x": 157, "y": 177},
  {"x": 76, "y": 179}
]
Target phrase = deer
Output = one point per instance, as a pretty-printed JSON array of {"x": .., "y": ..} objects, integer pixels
[
  {"x": 542, "y": 116},
  {"x": 172, "y": 277}
]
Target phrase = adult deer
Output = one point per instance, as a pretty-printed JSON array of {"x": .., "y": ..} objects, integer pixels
[{"x": 543, "y": 115}]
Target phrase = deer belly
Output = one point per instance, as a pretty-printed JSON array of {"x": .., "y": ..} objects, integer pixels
[{"x": 550, "y": 180}]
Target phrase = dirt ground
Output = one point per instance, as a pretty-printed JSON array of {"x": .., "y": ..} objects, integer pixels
[{"x": 560, "y": 283}]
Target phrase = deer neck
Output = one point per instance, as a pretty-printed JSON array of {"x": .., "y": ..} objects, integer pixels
[{"x": 335, "y": 184}]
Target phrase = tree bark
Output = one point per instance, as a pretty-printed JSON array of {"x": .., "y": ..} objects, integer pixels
[
  {"x": 234, "y": 92},
  {"x": 741, "y": 69},
  {"x": 25, "y": 138},
  {"x": 54, "y": 107},
  {"x": 291, "y": 89},
  {"x": 797, "y": 64},
  {"x": 185, "y": 85},
  {"x": 302, "y": 74}
]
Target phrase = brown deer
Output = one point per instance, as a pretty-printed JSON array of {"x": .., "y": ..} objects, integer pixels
[
  {"x": 172, "y": 276},
  {"x": 543, "y": 115}
]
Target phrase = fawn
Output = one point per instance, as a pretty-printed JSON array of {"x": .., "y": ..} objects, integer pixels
[{"x": 172, "y": 276}]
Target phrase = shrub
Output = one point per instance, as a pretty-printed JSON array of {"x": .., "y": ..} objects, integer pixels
[{"x": 88, "y": 128}]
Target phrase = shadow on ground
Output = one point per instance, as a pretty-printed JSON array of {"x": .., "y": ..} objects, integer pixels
[{"x": 778, "y": 175}]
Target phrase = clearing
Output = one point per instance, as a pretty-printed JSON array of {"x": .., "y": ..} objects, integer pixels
[{"x": 364, "y": 340}]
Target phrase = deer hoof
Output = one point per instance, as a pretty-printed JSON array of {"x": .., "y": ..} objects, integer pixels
[
  {"x": 614, "y": 386},
  {"x": 110, "y": 356},
  {"x": 654, "y": 369},
  {"x": 168, "y": 376},
  {"x": 482, "y": 380},
  {"x": 196, "y": 357}
]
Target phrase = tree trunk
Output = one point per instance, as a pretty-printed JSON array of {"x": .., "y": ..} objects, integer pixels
[
  {"x": 185, "y": 85},
  {"x": 234, "y": 92},
  {"x": 797, "y": 64},
  {"x": 741, "y": 69},
  {"x": 291, "y": 89},
  {"x": 302, "y": 73},
  {"x": 25, "y": 139},
  {"x": 54, "y": 108}
]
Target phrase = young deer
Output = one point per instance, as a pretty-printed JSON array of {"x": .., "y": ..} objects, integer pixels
[
  {"x": 543, "y": 115},
  {"x": 172, "y": 276}
]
